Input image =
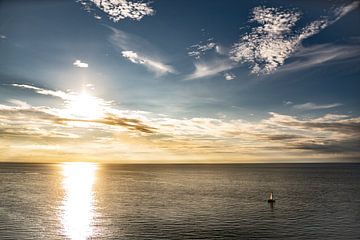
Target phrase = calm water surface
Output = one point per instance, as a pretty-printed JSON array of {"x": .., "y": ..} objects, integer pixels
[{"x": 88, "y": 201}]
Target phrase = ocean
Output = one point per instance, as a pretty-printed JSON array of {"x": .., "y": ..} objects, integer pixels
[{"x": 113, "y": 201}]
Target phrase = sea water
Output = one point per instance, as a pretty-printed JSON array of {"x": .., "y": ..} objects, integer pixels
[{"x": 99, "y": 201}]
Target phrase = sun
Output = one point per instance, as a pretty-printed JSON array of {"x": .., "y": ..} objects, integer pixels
[{"x": 84, "y": 106}]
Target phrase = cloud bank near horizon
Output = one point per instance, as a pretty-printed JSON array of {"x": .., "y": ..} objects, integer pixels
[{"x": 327, "y": 136}]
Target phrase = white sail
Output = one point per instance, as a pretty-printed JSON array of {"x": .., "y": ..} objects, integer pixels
[{"x": 271, "y": 196}]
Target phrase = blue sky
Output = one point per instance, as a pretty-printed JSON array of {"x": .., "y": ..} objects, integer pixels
[{"x": 216, "y": 74}]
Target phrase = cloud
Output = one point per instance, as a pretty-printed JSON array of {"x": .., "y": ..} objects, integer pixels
[
  {"x": 113, "y": 120},
  {"x": 327, "y": 134},
  {"x": 338, "y": 125},
  {"x": 321, "y": 54},
  {"x": 72, "y": 99},
  {"x": 345, "y": 9},
  {"x": 313, "y": 106},
  {"x": 112, "y": 117},
  {"x": 274, "y": 40},
  {"x": 125, "y": 41},
  {"x": 97, "y": 17},
  {"x": 42, "y": 124},
  {"x": 139, "y": 51},
  {"x": 80, "y": 64},
  {"x": 210, "y": 68},
  {"x": 197, "y": 50},
  {"x": 42, "y": 91},
  {"x": 267, "y": 46},
  {"x": 277, "y": 135},
  {"x": 345, "y": 146},
  {"x": 154, "y": 66},
  {"x": 120, "y": 9},
  {"x": 229, "y": 76},
  {"x": 207, "y": 69},
  {"x": 2, "y": 36}
]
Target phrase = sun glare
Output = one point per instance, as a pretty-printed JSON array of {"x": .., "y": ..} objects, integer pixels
[
  {"x": 84, "y": 106},
  {"x": 78, "y": 210}
]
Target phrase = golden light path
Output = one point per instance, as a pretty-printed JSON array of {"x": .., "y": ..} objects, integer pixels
[{"x": 78, "y": 209}]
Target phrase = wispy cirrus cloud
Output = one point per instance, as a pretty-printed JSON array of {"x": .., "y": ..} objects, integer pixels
[
  {"x": 314, "y": 106},
  {"x": 206, "y": 69},
  {"x": 139, "y": 51},
  {"x": 120, "y": 9},
  {"x": 198, "y": 50},
  {"x": 43, "y": 91},
  {"x": 321, "y": 54},
  {"x": 345, "y": 9},
  {"x": 157, "y": 67},
  {"x": 275, "y": 39}
]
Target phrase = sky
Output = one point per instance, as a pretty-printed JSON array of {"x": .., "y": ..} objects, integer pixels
[{"x": 171, "y": 81}]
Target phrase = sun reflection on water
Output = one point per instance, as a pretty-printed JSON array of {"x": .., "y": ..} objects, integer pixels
[{"x": 78, "y": 209}]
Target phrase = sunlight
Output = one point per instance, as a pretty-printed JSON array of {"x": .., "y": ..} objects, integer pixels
[
  {"x": 84, "y": 106},
  {"x": 78, "y": 207}
]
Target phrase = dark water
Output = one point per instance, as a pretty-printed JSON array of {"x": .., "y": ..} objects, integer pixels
[{"x": 84, "y": 201}]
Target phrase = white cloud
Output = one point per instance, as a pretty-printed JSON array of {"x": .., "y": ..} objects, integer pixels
[
  {"x": 268, "y": 45},
  {"x": 203, "y": 69},
  {"x": 154, "y": 66},
  {"x": 97, "y": 17},
  {"x": 197, "y": 50},
  {"x": 3, "y": 37},
  {"x": 314, "y": 106},
  {"x": 132, "y": 56},
  {"x": 229, "y": 76},
  {"x": 140, "y": 51},
  {"x": 120, "y": 9},
  {"x": 42, "y": 91},
  {"x": 80, "y": 64}
]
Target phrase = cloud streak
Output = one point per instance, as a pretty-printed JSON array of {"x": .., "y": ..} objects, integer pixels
[
  {"x": 313, "y": 106},
  {"x": 207, "y": 69},
  {"x": 42, "y": 91},
  {"x": 132, "y": 48},
  {"x": 155, "y": 66},
  {"x": 321, "y": 54}
]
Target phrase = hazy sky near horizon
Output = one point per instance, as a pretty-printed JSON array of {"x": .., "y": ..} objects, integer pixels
[{"x": 179, "y": 81}]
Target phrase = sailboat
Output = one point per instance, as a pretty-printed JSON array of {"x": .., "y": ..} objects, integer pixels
[{"x": 271, "y": 198}]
